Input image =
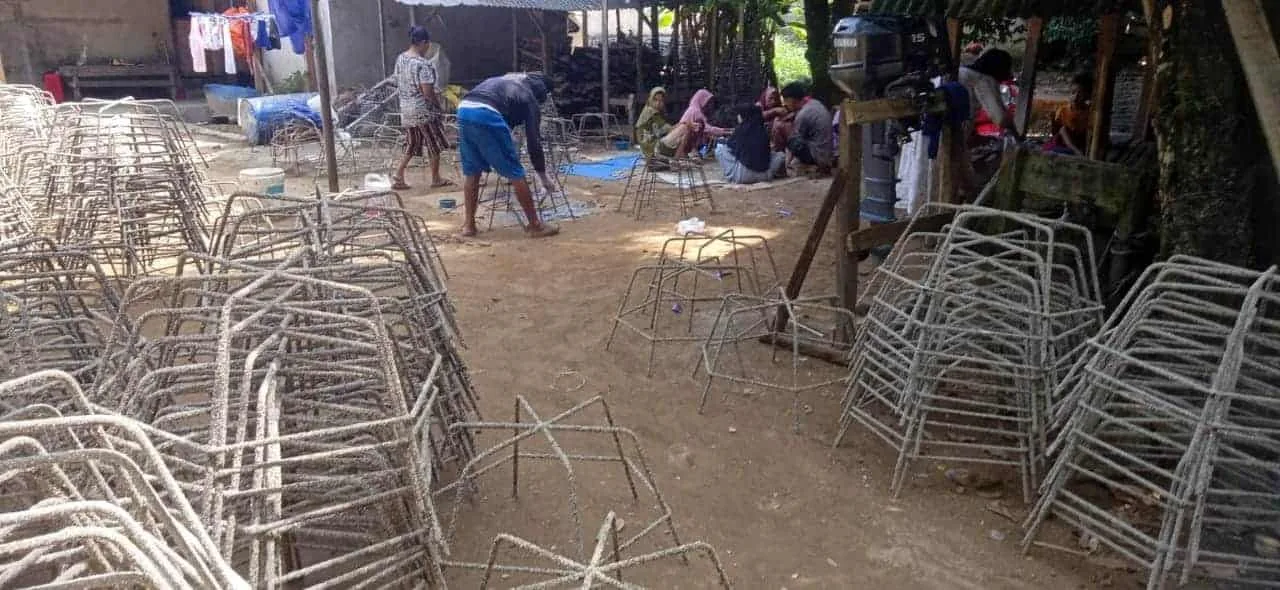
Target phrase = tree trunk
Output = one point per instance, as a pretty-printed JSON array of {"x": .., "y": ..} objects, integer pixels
[
  {"x": 841, "y": 9},
  {"x": 1211, "y": 151},
  {"x": 817, "y": 19}
]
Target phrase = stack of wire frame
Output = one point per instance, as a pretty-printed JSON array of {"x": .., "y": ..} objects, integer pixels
[
  {"x": 366, "y": 240},
  {"x": 1175, "y": 411},
  {"x": 968, "y": 331},
  {"x": 120, "y": 181},
  {"x": 279, "y": 402},
  {"x": 299, "y": 381},
  {"x": 56, "y": 309},
  {"x": 87, "y": 502},
  {"x": 25, "y": 118}
]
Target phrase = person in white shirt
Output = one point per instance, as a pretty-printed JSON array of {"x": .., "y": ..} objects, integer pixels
[{"x": 983, "y": 78}]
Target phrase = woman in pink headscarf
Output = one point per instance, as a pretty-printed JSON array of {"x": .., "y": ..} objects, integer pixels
[
  {"x": 701, "y": 130},
  {"x": 776, "y": 117}
]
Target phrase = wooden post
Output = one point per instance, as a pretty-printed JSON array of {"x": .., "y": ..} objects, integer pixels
[
  {"x": 1261, "y": 62},
  {"x": 810, "y": 249},
  {"x": 949, "y": 156},
  {"x": 713, "y": 13},
  {"x": 1104, "y": 85},
  {"x": 1147, "y": 103},
  {"x": 541, "y": 21},
  {"x": 675, "y": 37},
  {"x": 604, "y": 66},
  {"x": 641, "y": 91},
  {"x": 653, "y": 23},
  {"x": 1027, "y": 79},
  {"x": 309, "y": 54},
  {"x": 2, "y": 78},
  {"x": 954, "y": 32},
  {"x": 321, "y": 65},
  {"x": 849, "y": 217}
]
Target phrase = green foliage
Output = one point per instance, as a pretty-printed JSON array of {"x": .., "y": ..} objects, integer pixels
[
  {"x": 1069, "y": 41},
  {"x": 296, "y": 82},
  {"x": 788, "y": 58},
  {"x": 993, "y": 30}
]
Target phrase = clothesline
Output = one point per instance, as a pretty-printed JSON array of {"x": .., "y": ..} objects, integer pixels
[
  {"x": 232, "y": 34},
  {"x": 254, "y": 16}
]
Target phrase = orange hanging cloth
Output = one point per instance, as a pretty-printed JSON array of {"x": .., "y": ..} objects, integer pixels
[{"x": 241, "y": 39}]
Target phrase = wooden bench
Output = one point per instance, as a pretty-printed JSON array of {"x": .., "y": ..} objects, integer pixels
[{"x": 139, "y": 76}]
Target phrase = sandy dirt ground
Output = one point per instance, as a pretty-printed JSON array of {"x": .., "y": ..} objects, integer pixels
[{"x": 782, "y": 509}]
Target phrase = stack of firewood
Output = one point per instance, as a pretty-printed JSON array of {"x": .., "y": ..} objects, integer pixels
[{"x": 577, "y": 77}]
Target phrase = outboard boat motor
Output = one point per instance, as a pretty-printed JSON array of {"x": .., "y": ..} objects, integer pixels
[{"x": 881, "y": 57}]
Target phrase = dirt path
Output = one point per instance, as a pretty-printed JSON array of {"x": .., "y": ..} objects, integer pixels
[{"x": 783, "y": 510}]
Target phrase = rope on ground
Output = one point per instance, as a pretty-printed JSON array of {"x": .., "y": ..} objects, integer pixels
[{"x": 555, "y": 381}]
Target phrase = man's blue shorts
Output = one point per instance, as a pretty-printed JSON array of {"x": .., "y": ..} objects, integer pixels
[{"x": 484, "y": 143}]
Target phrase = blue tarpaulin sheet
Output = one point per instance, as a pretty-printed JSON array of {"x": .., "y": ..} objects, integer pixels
[{"x": 615, "y": 168}]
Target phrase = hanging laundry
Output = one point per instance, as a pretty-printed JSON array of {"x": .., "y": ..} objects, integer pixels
[
  {"x": 229, "y": 49},
  {"x": 241, "y": 37},
  {"x": 262, "y": 34},
  {"x": 294, "y": 19},
  {"x": 195, "y": 41},
  {"x": 275, "y": 34},
  {"x": 211, "y": 30}
]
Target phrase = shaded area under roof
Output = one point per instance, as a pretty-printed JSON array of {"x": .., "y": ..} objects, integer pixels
[
  {"x": 979, "y": 9},
  {"x": 556, "y": 5}
]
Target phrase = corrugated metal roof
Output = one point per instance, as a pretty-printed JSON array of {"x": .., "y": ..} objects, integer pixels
[
  {"x": 974, "y": 9},
  {"x": 557, "y": 5}
]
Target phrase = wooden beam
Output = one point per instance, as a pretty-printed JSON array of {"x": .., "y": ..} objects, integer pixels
[
  {"x": 1261, "y": 62},
  {"x": 819, "y": 227},
  {"x": 1104, "y": 85},
  {"x": 1027, "y": 79},
  {"x": 862, "y": 112},
  {"x": 887, "y": 233},
  {"x": 850, "y": 204}
]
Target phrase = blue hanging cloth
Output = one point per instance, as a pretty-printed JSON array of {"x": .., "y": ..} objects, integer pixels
[
  {"x": 263, "y": 36},
  {"x": 957, "y": 97},
  {"x": 293, "y": 18}
]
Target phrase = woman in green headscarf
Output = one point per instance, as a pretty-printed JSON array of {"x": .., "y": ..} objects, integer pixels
[{"x": 652, "y": 124}]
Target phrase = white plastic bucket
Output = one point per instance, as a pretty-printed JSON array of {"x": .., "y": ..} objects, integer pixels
[{"x": 266, "y": 181}]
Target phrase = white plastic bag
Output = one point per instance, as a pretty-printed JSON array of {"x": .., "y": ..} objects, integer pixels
[{"x": 692, "y": 225}]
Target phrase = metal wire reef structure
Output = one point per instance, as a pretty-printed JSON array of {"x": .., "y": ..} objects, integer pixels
[
  {"x": 1175, "y": 410},
  {"x": 230, "y": 391},
  {"x": 968, "y": 332}
]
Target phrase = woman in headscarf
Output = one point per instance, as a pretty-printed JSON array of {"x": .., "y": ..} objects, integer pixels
[
  {"x": 746, "y": 157},
  {"x": 776, "y": 117},
  {"x": 701, "y": 130},
  {"x": 652, "y": 123}
]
